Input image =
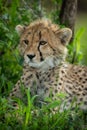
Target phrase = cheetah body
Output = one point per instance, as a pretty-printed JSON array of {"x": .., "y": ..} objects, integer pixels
[{"x": 45, "y": 71}]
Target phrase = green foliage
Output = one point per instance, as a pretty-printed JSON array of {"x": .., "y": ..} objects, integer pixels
[
  {"x": 75, "y": 54},
  {"x": 54, "y": 14},
  {"x": 28, "y": 116},
  {"x": 81, "y": 23}
]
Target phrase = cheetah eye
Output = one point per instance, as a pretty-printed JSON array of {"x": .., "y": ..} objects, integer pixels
[
  {"x": 26, "y": 42},
  {"x": 43, "y": 42}
]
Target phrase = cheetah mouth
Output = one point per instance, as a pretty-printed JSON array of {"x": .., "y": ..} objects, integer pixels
[
  {"x": 36, "y": 64},
  {"x": 48, "y": 62}
]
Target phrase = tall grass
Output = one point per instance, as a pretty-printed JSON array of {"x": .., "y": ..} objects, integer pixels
[
  {"x": 30, "y": 117},
  {"x": 75, "y": 54},
  {"x": 82, "y": 23}
]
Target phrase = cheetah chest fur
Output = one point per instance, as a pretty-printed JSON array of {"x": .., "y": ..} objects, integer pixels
[{"x": 55, "y": 80}]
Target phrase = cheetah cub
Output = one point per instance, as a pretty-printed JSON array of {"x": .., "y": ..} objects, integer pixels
[{"x": 43, "y": 46}]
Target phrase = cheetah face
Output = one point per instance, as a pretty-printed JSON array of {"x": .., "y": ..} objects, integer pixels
[{"x": 43, "y": 44}]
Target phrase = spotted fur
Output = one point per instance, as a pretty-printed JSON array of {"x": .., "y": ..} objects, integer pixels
[{"x": 45, "y": 71}]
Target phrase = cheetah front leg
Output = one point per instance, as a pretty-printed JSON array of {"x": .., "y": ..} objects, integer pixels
[{"x": 25, "y": 82}]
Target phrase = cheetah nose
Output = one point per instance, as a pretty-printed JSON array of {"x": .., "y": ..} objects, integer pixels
[{"x": 30, "y": 56}]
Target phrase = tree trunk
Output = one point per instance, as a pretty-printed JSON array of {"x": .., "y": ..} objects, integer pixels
[{"x": 68, "y": 14}]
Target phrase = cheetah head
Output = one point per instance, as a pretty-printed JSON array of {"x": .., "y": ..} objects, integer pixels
[{"x": 43, "y": 44}]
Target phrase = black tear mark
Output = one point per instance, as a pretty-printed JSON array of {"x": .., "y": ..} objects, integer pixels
[{"x": 41, "y": 56}]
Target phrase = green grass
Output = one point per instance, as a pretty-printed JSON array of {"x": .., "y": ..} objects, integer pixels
[
  {"x": 81, "y": 22},
  {"x": 30, "y": 117}
]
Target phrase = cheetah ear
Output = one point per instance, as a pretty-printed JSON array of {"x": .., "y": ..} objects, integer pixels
[
  {"x": 64, "y": 35},
  {"x": 20, "y": 29}
]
